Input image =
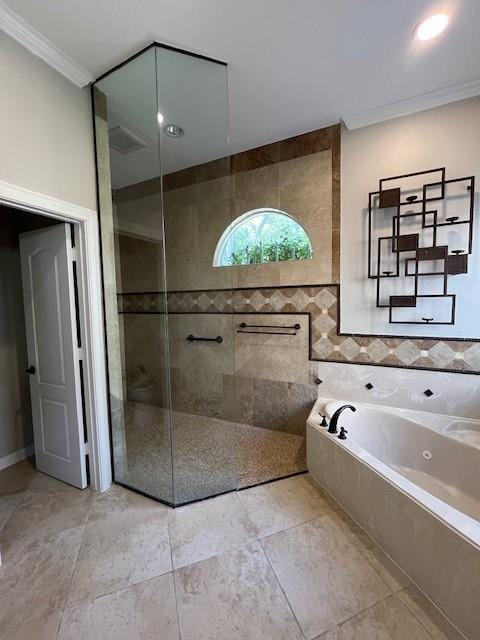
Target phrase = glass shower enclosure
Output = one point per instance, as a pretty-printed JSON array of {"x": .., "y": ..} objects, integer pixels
[
  {"x": 157, "y": 116},
  {"x": 165, "y": 198}
]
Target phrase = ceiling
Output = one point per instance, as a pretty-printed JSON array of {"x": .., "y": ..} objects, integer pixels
[
  {"x": 293, "y": 65},
  {"x": 192, "y": 93}
]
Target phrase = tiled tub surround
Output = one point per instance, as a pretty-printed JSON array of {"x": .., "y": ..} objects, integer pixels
[
  {"x": 452, "y": 395},
  {"x": 320, "y": 304},
  {"x": 424, "y": 513}
]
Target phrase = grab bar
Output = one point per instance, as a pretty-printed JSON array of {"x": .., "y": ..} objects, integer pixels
[
  {"x": 218, "y": 339},
  {"x": 245, "y": 328}
]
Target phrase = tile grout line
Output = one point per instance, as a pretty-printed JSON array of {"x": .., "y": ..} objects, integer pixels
[
  {"x": 112, "y": 591},
  {"x": 293, "y": 526},
  {"x": 17, "y": 505},
  {"x": 331, "y": 511},
  {"x": 64, "y": 608},
  {"x": 382, "y": 600},
  {"x": 374, "y": 568},
  {"x": 281, "y": 589},
  {"x": 254, "y": 538},
  {"x": 420, "y": 621},
  {"x": 173, "y": 577},
  {"x": 258, "y": 539},
  {"x": 82, "y": 602},
  {"x": 21, "y": 501},
  {"x": 67, "y": 599}
]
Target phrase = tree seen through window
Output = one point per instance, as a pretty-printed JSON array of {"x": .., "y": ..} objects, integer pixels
[{"x": 260, "y": 236}]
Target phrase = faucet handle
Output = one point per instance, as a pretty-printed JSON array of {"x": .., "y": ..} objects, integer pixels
[
  {"x": 324, "y": 421},
  {"x": 341, "y": 435}
]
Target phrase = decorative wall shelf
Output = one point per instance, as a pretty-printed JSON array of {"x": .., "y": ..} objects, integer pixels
[{"x": 420, "y": 232}]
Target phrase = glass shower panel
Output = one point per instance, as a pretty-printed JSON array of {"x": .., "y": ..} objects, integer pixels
[
  {"x": 133, "y": 255},
  {"x": 197, "y": 197}
]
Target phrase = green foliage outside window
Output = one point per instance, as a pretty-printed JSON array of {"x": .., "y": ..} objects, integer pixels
[{"x": 264, "y": 235}]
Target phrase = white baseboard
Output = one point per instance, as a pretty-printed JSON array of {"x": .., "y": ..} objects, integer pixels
[{"x": 16, "y": 456}]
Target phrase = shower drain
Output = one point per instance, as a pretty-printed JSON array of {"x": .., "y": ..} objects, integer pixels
[{"x": 427, "y": 454}]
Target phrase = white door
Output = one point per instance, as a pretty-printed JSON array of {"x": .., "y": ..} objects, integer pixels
[{"x": 53, "y": 352}]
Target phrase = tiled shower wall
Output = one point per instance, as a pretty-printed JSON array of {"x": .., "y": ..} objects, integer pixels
[
  {"x": 258, "y": 380},
  {"x": 261, "y": 380},
  {"x": 320, "y": 306}
]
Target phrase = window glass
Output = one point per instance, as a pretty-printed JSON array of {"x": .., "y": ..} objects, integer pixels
[{"x": 262, "y": 235}]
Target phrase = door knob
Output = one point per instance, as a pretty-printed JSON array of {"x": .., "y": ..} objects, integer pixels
[{"x": 30, "y": 370}]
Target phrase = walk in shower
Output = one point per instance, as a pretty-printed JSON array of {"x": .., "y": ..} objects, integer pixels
[{"x": 181, "y": 415}]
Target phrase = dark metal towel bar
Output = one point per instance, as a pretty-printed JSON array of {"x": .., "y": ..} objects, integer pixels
[
  {"x": 253, "y": 328},
  {"x": 243, "y": 325},
  {"x": 218, "y": 339}
]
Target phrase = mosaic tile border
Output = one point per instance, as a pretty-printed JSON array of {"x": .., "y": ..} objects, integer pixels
[{"x": 321, "y": 304}]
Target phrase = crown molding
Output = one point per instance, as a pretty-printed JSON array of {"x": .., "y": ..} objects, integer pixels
[
  {"x": 412, "y": 105},
  {"x": 18, "y": 29}
]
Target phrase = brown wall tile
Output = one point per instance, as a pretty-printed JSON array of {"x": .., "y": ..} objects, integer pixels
[
  {"x": 306, "y": 143},
  {"x": 255, "y": 158}
]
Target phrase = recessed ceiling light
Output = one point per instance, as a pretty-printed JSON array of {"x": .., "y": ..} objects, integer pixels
[
  {"x": 159, "y": 118},
  {"x": 432, "y": 26},
  {"x": 174, "y": 130}
]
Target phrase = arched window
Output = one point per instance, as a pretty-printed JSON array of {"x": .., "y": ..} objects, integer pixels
[{"x": 262, "y": 235}]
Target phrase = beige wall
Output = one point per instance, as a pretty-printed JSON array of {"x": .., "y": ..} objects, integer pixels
[
  {"x": 15, "y": 417},
  {"x": 46, "y": 147},
  {"x": 447, "y": 136},
  {"x": 46, "y": 139}
]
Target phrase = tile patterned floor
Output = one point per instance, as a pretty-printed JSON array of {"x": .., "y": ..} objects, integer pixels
[
  {"x": 276, "y": 562},
  {"x": 211, "y": 455}
]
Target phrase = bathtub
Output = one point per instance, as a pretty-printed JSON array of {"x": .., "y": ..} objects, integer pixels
[{"x": 412, "y": 480}]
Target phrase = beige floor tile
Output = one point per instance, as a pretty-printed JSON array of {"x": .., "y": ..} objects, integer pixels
[
  {"x": 324, "y": 577},
  {"x": 40, "y": 515},
  {"x": 279, "y": 505},
  {"x": 387, "y": 620},
  {"x": 118, "y": 500},
  {"x": 233, "y": 596},
  {"x": 43, "y": 629},
  {"x": 121, "y": 549},
  {"x": 41, "y": 483},
  {"x": 16, "y": 478},
  {"x": 204, "y": 529},
  {"x": 355, "y": 534},
  {"x": 386, "y": 569},
  {"x": 145, "y": 611},
  {"x": 35, "y": 579},
  {"x": 8, "y": 505},
  {"x": 436, "y": 624}
]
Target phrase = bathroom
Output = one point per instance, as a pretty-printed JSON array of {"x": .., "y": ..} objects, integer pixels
[
  {"x": 291, "y": 397},
  {"x": 222, "y": 350}
]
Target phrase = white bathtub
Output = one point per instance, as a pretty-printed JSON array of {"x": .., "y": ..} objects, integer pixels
[{"x": 412, "y": 480}]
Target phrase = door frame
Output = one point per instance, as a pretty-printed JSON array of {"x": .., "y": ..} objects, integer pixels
[{"x": 91, "y": 317}]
